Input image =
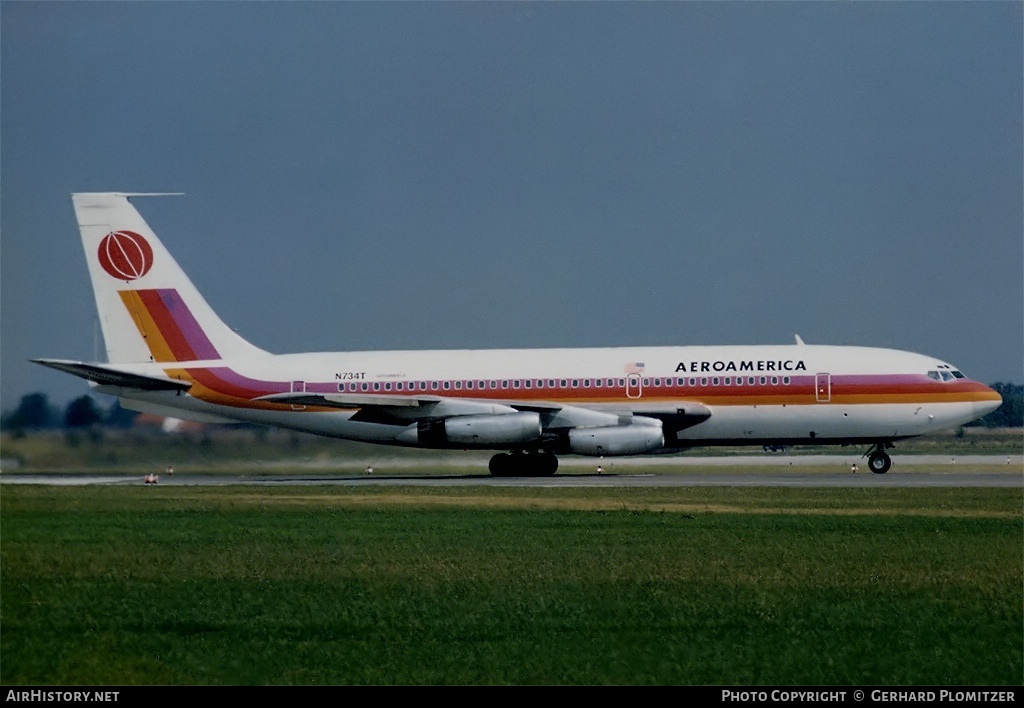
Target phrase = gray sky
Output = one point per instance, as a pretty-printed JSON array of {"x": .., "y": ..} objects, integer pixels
[{"x": 405, "y": 175}]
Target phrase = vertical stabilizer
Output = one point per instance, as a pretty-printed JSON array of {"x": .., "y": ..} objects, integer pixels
[{"x": 149, "y": 309}]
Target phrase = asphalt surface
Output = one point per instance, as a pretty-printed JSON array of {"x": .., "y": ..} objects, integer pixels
[{"x": 780, "y": 471}]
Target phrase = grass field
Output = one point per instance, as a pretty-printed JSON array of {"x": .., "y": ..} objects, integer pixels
[{"x": 476, "y": 586}]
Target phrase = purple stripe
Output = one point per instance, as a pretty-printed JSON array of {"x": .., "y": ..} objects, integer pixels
[
  {"x": 230, "y": 383},
  {"x": 187, "y": 325}
]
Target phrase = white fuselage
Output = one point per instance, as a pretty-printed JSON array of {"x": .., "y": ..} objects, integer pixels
[{"x": 756, "y": 394}]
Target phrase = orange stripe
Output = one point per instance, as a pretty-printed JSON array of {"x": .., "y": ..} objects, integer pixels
[{"x": 158, "y": 346}]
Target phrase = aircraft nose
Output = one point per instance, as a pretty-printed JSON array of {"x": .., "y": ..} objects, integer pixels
[{"x": 988, "y": 402}]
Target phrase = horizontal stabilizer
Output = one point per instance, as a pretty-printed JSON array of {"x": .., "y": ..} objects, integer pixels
[{"x": 108, "y": 376}]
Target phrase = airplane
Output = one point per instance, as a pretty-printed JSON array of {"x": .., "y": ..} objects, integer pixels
[{"x": 169, "y": 353}]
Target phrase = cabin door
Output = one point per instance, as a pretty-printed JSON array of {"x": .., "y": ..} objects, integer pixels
[{"x": 822, "y": 388}]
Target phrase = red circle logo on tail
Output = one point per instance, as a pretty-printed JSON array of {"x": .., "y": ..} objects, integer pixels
[{"x": 125, "y": 255}]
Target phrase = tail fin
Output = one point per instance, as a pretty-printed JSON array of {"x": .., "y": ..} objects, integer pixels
[{"x": 149, "y": 309}]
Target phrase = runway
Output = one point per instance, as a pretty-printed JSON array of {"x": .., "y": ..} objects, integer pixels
[{"x": 912, "y": 471}]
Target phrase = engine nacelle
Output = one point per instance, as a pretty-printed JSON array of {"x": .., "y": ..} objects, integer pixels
[
  {"x": 507, "y": 429},
  {"x": 618, "y": 440},
  {"x": 480, "y": 431}
]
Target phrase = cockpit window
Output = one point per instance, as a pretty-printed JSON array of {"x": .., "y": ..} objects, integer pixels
[{"x": 946, "y": 375}]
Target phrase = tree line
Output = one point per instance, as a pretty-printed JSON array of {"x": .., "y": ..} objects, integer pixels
[{"x": 36, "y": 412}]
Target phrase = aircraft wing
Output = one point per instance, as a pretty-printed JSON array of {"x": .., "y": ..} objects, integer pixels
[
  {"x": 396, "y": 409},
  {"x": 349, "y": 401},
  {"x": 537, "y": 406},
  {"x": 105, "y": 375},
  {"x": 676, "y": 417}
]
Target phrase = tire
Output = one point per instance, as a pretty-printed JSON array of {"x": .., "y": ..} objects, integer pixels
[
  {"x": 500, "y": 465},
  {"x": 879, "y": 462}
]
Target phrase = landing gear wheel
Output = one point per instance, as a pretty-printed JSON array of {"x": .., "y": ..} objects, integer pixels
[
  {"x": 547, "y": 464},
  {"x": 517, "y": 464},
  {"x": 501, "y": 465},
  {"x": 879, "y": 462}
]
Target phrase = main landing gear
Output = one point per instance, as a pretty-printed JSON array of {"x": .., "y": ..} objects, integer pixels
[
  {"x": 523, "y": 464},
  {"x": 879, "y": 461}
]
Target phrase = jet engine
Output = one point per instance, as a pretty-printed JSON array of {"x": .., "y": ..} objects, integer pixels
[
  {"x": 475, "y": 430},
  {"x": 616, "y": 440}
]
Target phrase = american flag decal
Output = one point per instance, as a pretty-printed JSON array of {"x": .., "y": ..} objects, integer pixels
[{"x": 634, "y": 367}]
